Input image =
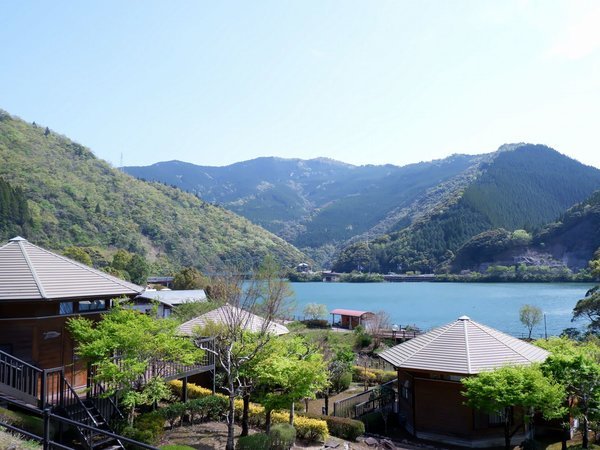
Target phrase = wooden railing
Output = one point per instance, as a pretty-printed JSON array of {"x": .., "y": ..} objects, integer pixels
[
  {"x": 365, "y": 402},
  {"x": 20, "y": 379}
]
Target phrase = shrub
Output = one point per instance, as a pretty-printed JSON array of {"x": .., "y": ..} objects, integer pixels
[
  {"x": 139, "y": 435},
  {"x": 374, "y": 422},
  {"x": 194, "y": 391},
  {"x": 363, "y": 340},
  {"x": 153, "y": 422},
  {"x": 342, "y": 382},
  {"x": 147, "y": 428},
  {"x": 342, "y": 427},
  {"x": 282, "y": 436},
  {"x": 213, "y": 407},
  {"x": 173, "y": 413},
  {"x": 258, "y": 441},
  {"x": 372, "y": 376},
  {"x": 316, "y": 323}
]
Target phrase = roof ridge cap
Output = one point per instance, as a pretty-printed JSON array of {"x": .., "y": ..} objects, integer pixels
[
  {"x": 83, "y": 266},
  {"x": 34, "y": 274},
  {"x": 466, "y": 329},
  {"x": 487, "y": 330}
]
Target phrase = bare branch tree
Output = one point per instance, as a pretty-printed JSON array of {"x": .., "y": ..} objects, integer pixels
[{"x": 239, "y": 334}]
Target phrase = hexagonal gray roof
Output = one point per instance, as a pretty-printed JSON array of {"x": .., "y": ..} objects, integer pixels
[{"x": 462, "y": 347}]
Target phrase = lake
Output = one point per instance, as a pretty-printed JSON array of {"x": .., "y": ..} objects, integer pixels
[{"x": 429, "y": 305}]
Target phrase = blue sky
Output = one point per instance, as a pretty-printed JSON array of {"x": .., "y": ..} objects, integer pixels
[{"x": 359, "y": 81}]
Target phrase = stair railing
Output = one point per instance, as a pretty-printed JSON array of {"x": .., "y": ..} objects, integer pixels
[{"x": 20, "y": 379}]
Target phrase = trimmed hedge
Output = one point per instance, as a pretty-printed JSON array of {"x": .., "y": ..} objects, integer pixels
[
  {"x": 342, "y": 427},
  {"x": 373, "y": 376},
  {"x": 309, "y": 429}
]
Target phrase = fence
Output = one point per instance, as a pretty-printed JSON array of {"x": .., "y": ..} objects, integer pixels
[
  {"x": 365, "y": 402},
  {"x": 47, "y": 440}
]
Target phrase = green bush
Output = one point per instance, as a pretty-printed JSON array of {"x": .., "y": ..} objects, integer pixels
[
  {"x": 342, "y": 382},
  {"x": 153, "y": 422},
  {"x": 139, "y": 435},
  {"x": 212, "y": 407},
  {"x": 342, "y": 427},
  {"x": 316, "y": 323},
  {"x": 174, "y": 413},
  {"x": 258, "y": 441},
  {"x": 283, "y": 436},
  {"x": 147, "y": 428}
]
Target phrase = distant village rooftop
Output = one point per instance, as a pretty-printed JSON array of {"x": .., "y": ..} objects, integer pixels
[
  {"x": 463, "y": 347},
  {"x": 29, "y": 272},
  {"x": 173, "y": 298}
]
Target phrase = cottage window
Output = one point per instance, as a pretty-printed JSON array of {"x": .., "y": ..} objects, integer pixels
[
  {"x": 92, "y": 305},
  {"x": 406, "y": 390},
  {"x": 65, "y": 308}
]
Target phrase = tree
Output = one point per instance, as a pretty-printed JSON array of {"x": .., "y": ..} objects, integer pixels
[
  {"x": 292, "y": 371},
  {"x": 78, "y": 254},
  {"x": 595, "y": 264},
  {"x": 265, "y": 293},
  {"x": 500, "y": 390},
  {"x": 530, "y": 316},
  {"x": 576, "y": 368},
  {"x": 138, "y": 269},
  {"x": 376, "y": 325},
  {"x": 124, "y": 344},
  {"x": 315, "y": 311},
  {"x": 189, "y": 278},
  {"x": 589, "y": 307}
]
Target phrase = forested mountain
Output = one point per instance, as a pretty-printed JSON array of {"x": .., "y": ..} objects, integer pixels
[
  {"x": 521, "y": 186},
  {"x": 313, "y": 203},
  {"x": 74, "y": 198},
  {"x": 570, "y": 241}
]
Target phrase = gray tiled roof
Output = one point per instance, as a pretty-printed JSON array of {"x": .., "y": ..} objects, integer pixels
[
  {"x": 251, "y": 321},
  {"x": 28, "y": 272},
  {"x": 463, "y": 347},
  {"x": 173, "y": 298}
]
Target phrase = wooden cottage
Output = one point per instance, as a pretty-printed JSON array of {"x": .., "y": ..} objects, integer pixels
[
  {"x": 430, "y": 368},
  {"x": 39, "y": 292},
  {"x": 350, "y": 318}
]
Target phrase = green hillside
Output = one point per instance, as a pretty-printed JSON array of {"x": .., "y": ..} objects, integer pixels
[
  {"x": 570, "y": 241},
  {"x": 315, "y": 204},
  {"x": 74, "y": 198},
  {"x": 522, "y": 186}
]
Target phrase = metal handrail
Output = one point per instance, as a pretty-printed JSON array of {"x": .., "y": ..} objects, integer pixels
[
  {"x": 20, "y": 361},
  {"x": 47, "y": 416}
]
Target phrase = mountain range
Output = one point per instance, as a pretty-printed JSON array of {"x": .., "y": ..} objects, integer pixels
[
  {"x": 58, "y": 194},
  {"x": 390, "y": 218}
]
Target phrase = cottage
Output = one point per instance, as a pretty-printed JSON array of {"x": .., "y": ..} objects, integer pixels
[
  {"x": 251, "y": 322},
  {"x": 430, "y": 368},
  {"x": 350, "y": 318},
  {"x": 166, "y": 300},
  {"x": 39, "y": 292}
]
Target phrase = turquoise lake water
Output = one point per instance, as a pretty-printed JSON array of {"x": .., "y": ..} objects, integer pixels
[{"x": 429, "y": 305}]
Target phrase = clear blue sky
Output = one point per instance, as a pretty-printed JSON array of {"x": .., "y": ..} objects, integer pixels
[{"x": 214, "y": 82}]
